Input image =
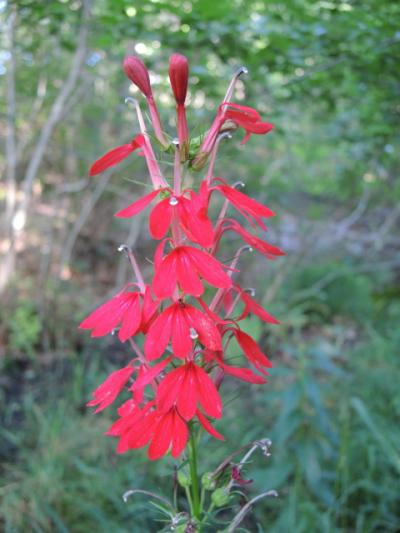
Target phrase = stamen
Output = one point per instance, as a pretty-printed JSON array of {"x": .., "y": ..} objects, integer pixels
[
  {"x": 251, "y": 291},
  {"x": 124, "y": 248},
  {"x": 241, "y": 70},
  {"x": 239, "y": 185}
]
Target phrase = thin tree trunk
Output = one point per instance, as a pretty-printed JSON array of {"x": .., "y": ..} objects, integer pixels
[{"x": 7, "y": 266}]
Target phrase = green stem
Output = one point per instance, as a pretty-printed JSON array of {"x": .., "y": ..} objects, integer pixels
[{"x": 193, "y": 476}]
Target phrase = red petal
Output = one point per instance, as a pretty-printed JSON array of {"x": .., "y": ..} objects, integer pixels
[
  {"x": 138, "y": 206},
  {"x": 132, "y": 318},
  {"x": 244, "y": 202},
  {"x": 244, "y": 374},
  {"x": 208, "y": 395},
  {"x": 106, "y": 317},
  {"x": 187, "y": 397},
  {"x": 187, "y": 276},
  {"x": 158, "y": 335},
  {"x": 162, "y": 438},
  {"x": 208, "y": 267},
  {"x": 208, "y": 427},
  {"x": 160, "y": 219},
  {"x": 165, "y": 278},
  {"x": 179, "y": 437},
  {"x": 169, "y": 388},
  {"x": 252, "y": 351},
  {"x": 180, "y": 332},
  {"x": 205, "y": 327},
  {"x": 149, "y": 374},
  {"x": 111, "y": 158},
  {"x": 254, "y": 307}
]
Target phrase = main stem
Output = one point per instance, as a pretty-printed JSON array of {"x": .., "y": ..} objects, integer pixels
[{"x": 193, "y": 475}]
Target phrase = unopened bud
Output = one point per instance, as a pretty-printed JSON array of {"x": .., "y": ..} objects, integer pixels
[
  {"x": 220, "y": 497},
  {"x": 137, "y": 72},
  {"x": 178, "y": 75},
  {"x": 183, "y": 479},
  {"x": 208, "y": 481}
]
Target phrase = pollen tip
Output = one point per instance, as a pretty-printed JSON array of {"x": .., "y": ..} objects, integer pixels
[
  {"x": 123, "y": 248},
  {"x": 239, "y": 185},
  {"x": 129, "y": 100}
]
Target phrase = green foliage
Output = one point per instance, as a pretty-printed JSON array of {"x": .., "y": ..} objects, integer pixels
[{"x": 24, "y": 325}]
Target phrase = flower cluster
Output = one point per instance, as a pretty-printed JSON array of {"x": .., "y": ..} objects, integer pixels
[{"x": 174, "y": 378}]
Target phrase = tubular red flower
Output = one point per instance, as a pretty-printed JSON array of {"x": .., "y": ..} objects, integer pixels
[
  {"x": 268, "y": 250},
  {"x": 184, "y": 265},
  {"x": 106, "y": 393},
  {"x": 187, "y": 387},
  {"x": 124, "y": 309},
  {"x": 115, "y": 156},
  {"x": 252, "y": 351},
  {"x": 179, "y": 323},
  {"x": 163, "y": 431}
]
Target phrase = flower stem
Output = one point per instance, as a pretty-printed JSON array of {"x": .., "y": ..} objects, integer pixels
[{"x": 193, "y": 475}]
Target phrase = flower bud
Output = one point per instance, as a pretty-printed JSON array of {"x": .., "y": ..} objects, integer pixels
[
  {"x": 137, "y": 72},
  {"x": 220, "y": 497},
  {"x": 183, "y": 479},
  {"x": 178, "y": 75},
  {"x": 208, "y": 481}
]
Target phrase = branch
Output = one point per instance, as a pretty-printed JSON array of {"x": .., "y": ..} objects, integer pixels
[{"x": 58, "y": 106}]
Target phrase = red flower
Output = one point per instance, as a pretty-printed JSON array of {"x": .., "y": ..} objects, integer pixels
[
  {"x": 106, "y": 393},
  {"x": 115, "y": 156},
  {"x": 245, "y": 374},
  {"x": 268, "y": 250},
  {"x": 251, "y": 306},
  {"x": 244, "y": 117},
  {"x": 252, "y": 351},
  {"x": 191, "y": 214},
  {"x": 181, "y": 323},
  {"x": 124, "y": 308},
  {"x": 247, "y": 118},
  {"x": 164, "y": 431},
  {"x": 186, "y": 387},
  {"x": 184, "y": 265},
  {"x": 252, "y": 210}
]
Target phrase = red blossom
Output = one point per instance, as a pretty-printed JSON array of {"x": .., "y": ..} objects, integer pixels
[
  {"x": 181, "y": 324},
  {"x": 106, "y": 393},
  {"x": 187, "y": 387},
  {"x": 133, "y": 311},
  {"x": 184, "y": 265}
]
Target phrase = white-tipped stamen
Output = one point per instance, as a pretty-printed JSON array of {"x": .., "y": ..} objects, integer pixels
[
  {"x": 239, "y": 72},
  {"x": 173, "y": 201},
  {"x": 124, "y": 248},
  {"x": 239, "y": 185},
  {"x": 193, "y": 334}
]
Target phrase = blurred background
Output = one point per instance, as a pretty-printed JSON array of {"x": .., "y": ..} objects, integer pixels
[{"x": 326, "y": 74}]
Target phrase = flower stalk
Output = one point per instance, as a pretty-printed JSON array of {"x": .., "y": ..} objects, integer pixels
[{"x": 181, "y": 321}]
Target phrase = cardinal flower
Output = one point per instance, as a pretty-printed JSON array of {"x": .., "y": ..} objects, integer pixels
[
  {"x": 164, "y": 431},
  {"x": 187, "y": 387},
  {"x": 107, "y": 392},
  {"x": 245, "y": 374},
  {"x": 252, "y": 352},
  {"x": 181, "y": 323},
  {"x": 252, "y": 210},
  {"x": 131, "y": 310},
  {"x": 268, "y": 250},
  {"x": 241, "y": 116},
  {"x": 184, "y": 265},
  {"x": 190, "y": 213}
]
